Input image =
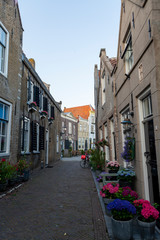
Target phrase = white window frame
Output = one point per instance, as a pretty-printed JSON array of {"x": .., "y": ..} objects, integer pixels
[
  {"x": 70, "y": 128},
  {"x": 142, "y": 137},
  {"x": 28, "y": 137},
  {"x": 8, "y": 128},
  {"x": 148, "y": 99},
  {"x": 124, "y": 115},
  {"x": 31, "y": 99},
  {"x": 5, "y": 73},
  {"x": 74, "y": 130},
  {"x": 128, "y": 57}
]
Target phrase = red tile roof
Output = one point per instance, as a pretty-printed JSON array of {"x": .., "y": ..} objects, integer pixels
[{"x": 82, "y": 111}]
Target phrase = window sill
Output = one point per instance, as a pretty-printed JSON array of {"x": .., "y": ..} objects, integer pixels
[
  {"x": 4, "y": 154},
  {"x": 25, "y": 153},
  {"x": 36, "y": 152}
]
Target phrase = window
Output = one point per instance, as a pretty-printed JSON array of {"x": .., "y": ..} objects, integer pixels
[
  {"x": 29, "y": 90},
  {"x": 103, "y": 90},
  {"x": 70, "y": 128},
  {"x": 36, "y": 95},
  {"x": 128, "y": 53},
  {"x": 5, "y": 125},
  {"x": 25, "y": 134},
  {"x": 52, "y": 112},
  {"x": 41, "y": 138},
  {"x": 45, "y": 104},
  {"x": 92, "y": 129},
  {"x": 74, "y": 130},
  {"x": 147, "y": 106},
  {"x": 4, "y": 42},
  {"x": 80, "y": 127},
  {"x": 35, "y": 136},
  {"x": 79, "y": 143},
  {"x": 41, "y": 100}
]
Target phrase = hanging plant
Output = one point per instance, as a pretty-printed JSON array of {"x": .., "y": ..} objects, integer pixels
[{"x": 129, "y": 149}]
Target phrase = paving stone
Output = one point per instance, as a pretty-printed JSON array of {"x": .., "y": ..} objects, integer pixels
[{"x": 56, "y": 203}]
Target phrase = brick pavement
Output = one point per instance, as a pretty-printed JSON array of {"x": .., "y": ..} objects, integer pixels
[{"x": 58, "y": 203}]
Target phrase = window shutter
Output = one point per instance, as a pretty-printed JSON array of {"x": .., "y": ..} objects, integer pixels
[
  {"x": 40, "y": 99},
  {"x": 41, "y": 138},
  {"x": 45, "y": 104},
  {"x": 34, "y": 136},
  {"x": 29, "y": 88},
  {"x": 52, "y": 112},
  {"x": 36, "y": 95}
]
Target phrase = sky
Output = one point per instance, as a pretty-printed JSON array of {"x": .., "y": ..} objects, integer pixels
[{"x": 65, "y": 37}]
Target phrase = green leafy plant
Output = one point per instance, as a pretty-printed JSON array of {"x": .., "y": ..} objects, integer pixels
[
  {"x": 126, "y": 175},
  {"x": 4, "y": 170},
  {"x": 22, "y": 165},
  {"x": 97, "y": 159}
]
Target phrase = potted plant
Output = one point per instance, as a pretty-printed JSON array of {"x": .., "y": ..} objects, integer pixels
[
  {"x": 102, "y": 143},
  {"x": 113, "y": 166},
  {"x": 97, "y": 160},
  {"x": 4, "y": 174},
  {"x": 50, "y": 120},
  {"x": 108, "y": 193},
  {"x": 126, "y": 193},
  {"x": 147, "y": 216},
  {"x": 99, "y": 179},
  {"x": 122, "y": 218},
  {"x": 126, "y": 177},
  {"x": 12, "y": 175},
  {"x": 33, "y": 106},
  {"x": 43, "y": 114},
  {"x": 23, "y": 170},
  {"x": 129, "y": 149}
]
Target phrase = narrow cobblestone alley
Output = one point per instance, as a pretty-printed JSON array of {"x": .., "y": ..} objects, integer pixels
[{"x": 56, "y": 203}]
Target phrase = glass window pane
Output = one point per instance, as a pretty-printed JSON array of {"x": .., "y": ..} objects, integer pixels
[
  {"x": 2, "y": 36},
  {"x": 6, "y": 112},
  {"x": 4, "y": 128},
  {"x": 1, "y": 110},
  {"x": 3, "y": 144},
  {"x": 146, "y": 107}
]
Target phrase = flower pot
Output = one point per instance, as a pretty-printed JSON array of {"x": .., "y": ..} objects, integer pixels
[
  {"x": 26, "y": 175},
  {"x": 123, "y": 183},
  {"x": 122, "y": 230},
  {"x": 147, "y": 230},
  {"x": 12, "y": 181},
  {"x": 3, "y": 186},
  {"x": 106, "y": 202},
  {"x": 112, "y": 171}
]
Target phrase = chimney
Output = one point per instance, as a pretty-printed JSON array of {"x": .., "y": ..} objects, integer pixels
[{"x": 32, "y": 62}]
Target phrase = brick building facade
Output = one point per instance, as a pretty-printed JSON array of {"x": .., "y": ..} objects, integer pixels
[{"x": 11, "y": 33}]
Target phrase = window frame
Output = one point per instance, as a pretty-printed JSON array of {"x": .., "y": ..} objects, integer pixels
[
  {"x": 8, "y": 134},
  {"x": 128, "y": 52},
  {"x": 28, "y": 138},
  {"x": 6, "y": 52}
]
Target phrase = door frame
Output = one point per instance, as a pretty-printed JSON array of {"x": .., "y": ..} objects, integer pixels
[
  {"x": 143, "y": 144},
  {"x": 47, "y": 147}
]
